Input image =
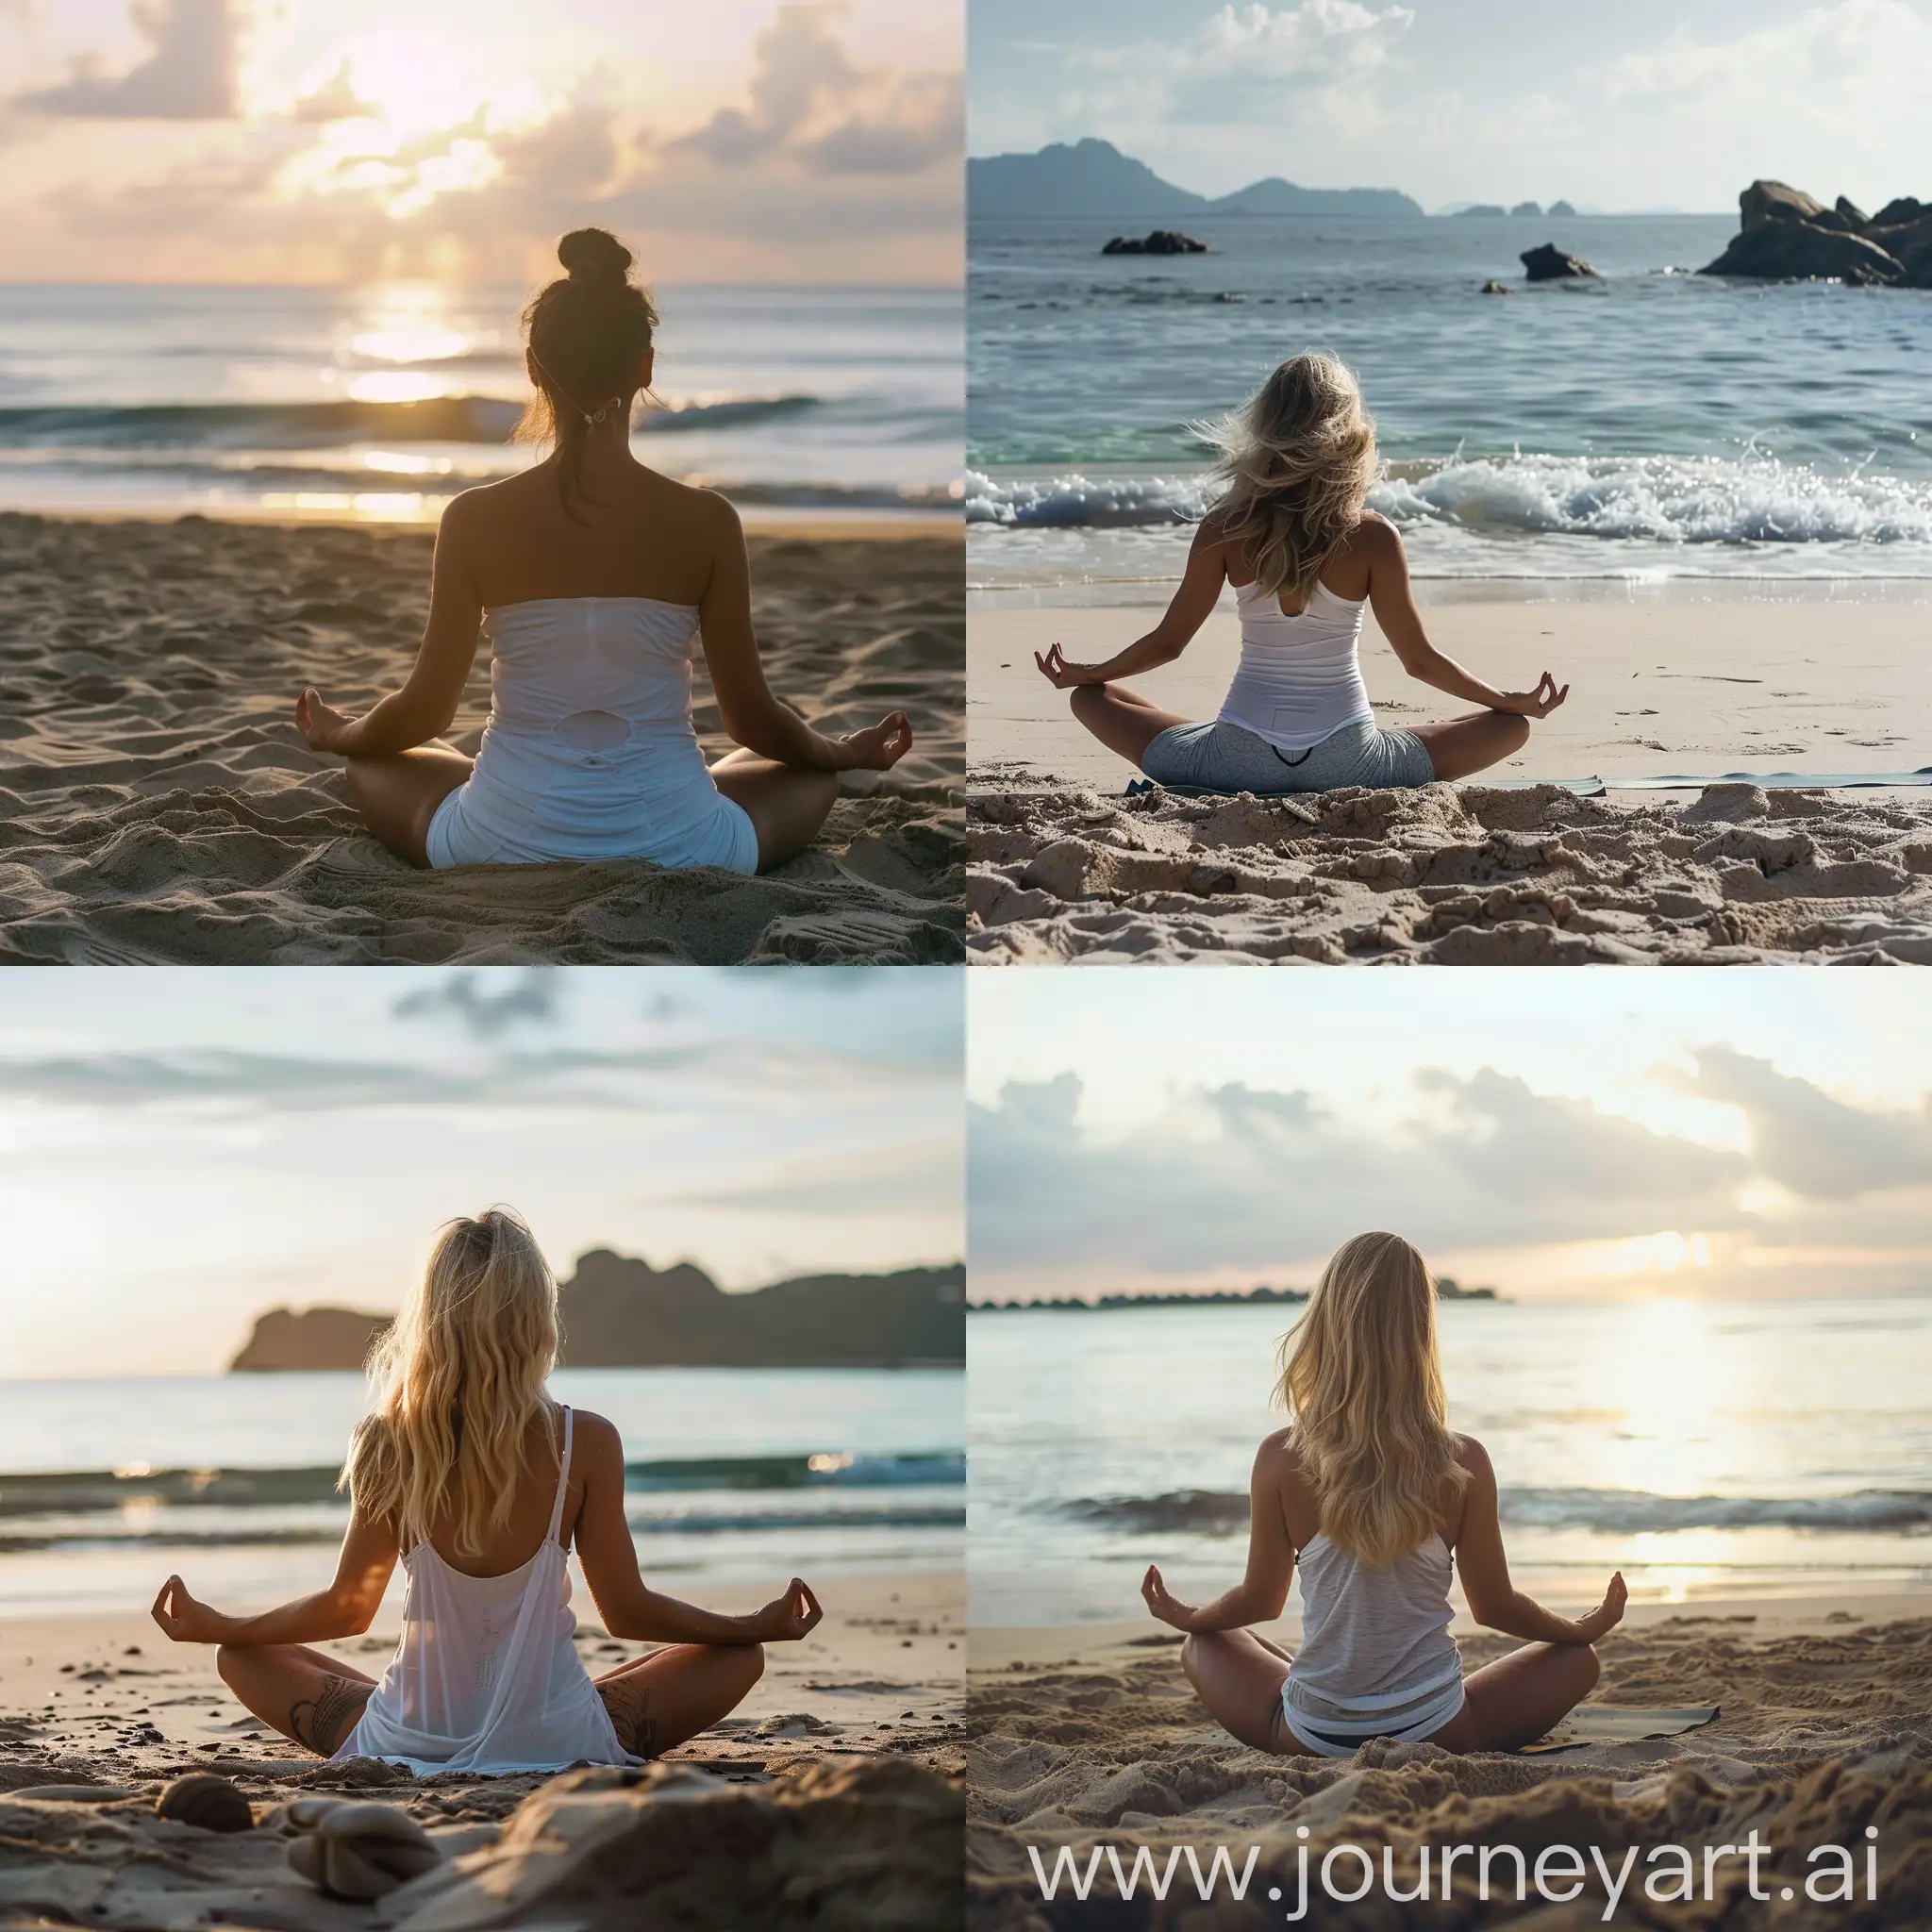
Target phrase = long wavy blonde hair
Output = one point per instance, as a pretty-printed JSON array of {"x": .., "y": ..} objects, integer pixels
[
  {"x": 455, "y": 1385},
  {"x": 1361, "y": 1376},
  {"x": 1298, "y": 458}
]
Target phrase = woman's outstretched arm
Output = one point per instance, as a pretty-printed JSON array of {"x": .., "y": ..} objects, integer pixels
[
  {"x": 1495, "y": 1602},
  {"x": 1260, "y": 1595},
  {"x": 746, "y": 708},
  {"x": 346, "y": 1609},
  {"x": 426, "y": 704},
  {"x": 1393, "y": 603},
  {"x": 1189, "y": 609},
  {"x": 628, "y": 1606}
]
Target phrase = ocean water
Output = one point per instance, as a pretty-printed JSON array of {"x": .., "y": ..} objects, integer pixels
[
  {"x": 382, "y": 403},
  {"x": 1704, "y": 1448},
  {"x": 734, "y": 1476},
  {"x": 1654, "y": 424}
]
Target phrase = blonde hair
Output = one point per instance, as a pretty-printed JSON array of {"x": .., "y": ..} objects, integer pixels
[
  {"x": 1361, "y": 1376},
  {"x": 1298, "y": 458},
  {"x": 455, "y": 1385}
]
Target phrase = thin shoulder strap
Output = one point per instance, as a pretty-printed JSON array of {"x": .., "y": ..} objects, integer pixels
[{"x": 562, "y": 1479}]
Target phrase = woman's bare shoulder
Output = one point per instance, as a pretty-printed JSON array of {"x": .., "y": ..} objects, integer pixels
[
  {"x": 1280, "y": 1456},
  {"x": 594, "y": 1434},
  {"x": 1472, "y": 1455}
]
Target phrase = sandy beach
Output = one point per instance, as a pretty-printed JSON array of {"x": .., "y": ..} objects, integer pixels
[
  {"x": 161, "y": 807},
  {"x": 1062, "y": 866},
  {"x": 1090, "y": 1736},
  {"x": 831, "y": 1798}
]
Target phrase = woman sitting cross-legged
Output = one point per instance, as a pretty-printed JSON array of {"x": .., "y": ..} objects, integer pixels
[
  {"x": 594, "y": 578},
  {"x": 1374, "y": 1501},
  {"x": 1306, "y": 557},
  {"x": 469, "y": 1473}
]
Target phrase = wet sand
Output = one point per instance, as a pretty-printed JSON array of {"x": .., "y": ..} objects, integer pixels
[{"x": 161, "y": 807}]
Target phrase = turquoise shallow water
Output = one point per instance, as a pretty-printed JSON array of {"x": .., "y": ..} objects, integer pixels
[
  {"x": 1651, "y": 423},
  {"x": 1703, "y": 1447}
]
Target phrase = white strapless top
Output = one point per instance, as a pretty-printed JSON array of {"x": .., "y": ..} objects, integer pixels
[
  {"x": 595, "y": 673},
  {"x": 1300, "y": 677}
]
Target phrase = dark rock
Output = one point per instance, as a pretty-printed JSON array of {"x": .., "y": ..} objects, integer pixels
[
  {"x": 1529, "y": 208},
  {"x": 1550, "y": 265},
  {"x": 205, "y": 1800},
  {"x": 1794, "y": 251},
  {"x": 1493, "y": 288},
  {"x": 1483, "y": 207},
  {"x": 1163, "y": 241},
  {"x": 1771, "y": 201},
  {"x": 1561, "y": 209},
  {"x": 1895, "y": 214},
  {"x": 1852, "y": 214}
]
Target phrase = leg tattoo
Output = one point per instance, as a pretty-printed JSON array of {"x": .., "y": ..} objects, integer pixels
[
  {"x": 629, "y": 1704},
  {"x": 322, "y": 1721}
]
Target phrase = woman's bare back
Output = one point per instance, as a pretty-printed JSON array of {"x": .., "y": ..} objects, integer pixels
[
  {"x": 522, "y": 1536},
  {"x": 634, "y": 534}
]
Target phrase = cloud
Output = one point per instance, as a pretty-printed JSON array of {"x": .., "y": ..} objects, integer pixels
[
  {"x": 1321, "y": 41},
  {"x": 336, "y": 99},
  {"x": 1240, "y": 61},
  {"x": 1242, "y": 1177},
  {"x": 811, "y": 105},
  {"x": 191, "y": 75},
  {"x": 1816, "y": 1147},
  {"x": 530, "y": 997}
]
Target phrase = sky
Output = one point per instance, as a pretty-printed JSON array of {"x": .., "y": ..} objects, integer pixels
[
  {"x": 333, "y": 140},
  {"x": 1555, "y": 1136},
  {"x": 230, "y": 1141},
  {"x": 1647, "y": 104}
]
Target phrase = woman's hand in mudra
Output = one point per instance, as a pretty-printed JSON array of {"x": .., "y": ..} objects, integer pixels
[
  {"x": 185, "y": 1619},
  {"x": 1539, "y": 703},
  {"x": 1059, "y": 670},
  {"x": 321, "y": 723},
  {"x": 788, "y": 1618},
  {"x": 880, "y": 749},
  {"x": 1164, "y": 1608},
  {"x": 1608, "y": 1613}
]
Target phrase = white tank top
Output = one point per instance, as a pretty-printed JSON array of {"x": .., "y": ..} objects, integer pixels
[
  {"x": 1300, "y": 677},
  {"x": 486, "y": 1679},
  {"x": 1375, "y": 1655}
]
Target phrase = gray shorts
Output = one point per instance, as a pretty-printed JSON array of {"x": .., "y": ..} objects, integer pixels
[{"x": 1216, "y": 757}]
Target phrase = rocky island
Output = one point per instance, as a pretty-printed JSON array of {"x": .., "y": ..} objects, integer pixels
[
  {"x": 620, "y": 1313},
  {"x": 1786, "y": 236}
]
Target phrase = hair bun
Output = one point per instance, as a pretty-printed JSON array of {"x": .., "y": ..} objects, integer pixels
[{"x": 594, "y": 256}]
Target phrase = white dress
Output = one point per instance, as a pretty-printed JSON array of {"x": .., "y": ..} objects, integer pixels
[
  {"x": 589, "y": 751},
  {"x": 485, "y": 1677}
]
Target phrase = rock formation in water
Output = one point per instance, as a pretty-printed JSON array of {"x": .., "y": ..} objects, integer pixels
[
  {"x": 1493, "y": 287},
  {"x": 1550, "y": 265},
  {"x": 1787, "y": 236},
  {"x": 1529, "y": 208},
  {"x": 1560, "y": 210},
  {"x": 1483, "y": 207},
  {"x": 622, "y": 1313},
  {"x": 1163, "y": 241}
]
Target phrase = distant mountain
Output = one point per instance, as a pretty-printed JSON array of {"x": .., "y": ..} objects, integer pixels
[
  {"x": 1091, "y": 180},
  {"x": 623, "y": 1313}
]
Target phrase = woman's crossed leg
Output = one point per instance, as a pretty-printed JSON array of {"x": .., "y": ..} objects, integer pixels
[
  {"x": 661, "y": 1700},
  {"x": 1509, "y": 1702},
  {"x": 312, "y": 1699}
]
